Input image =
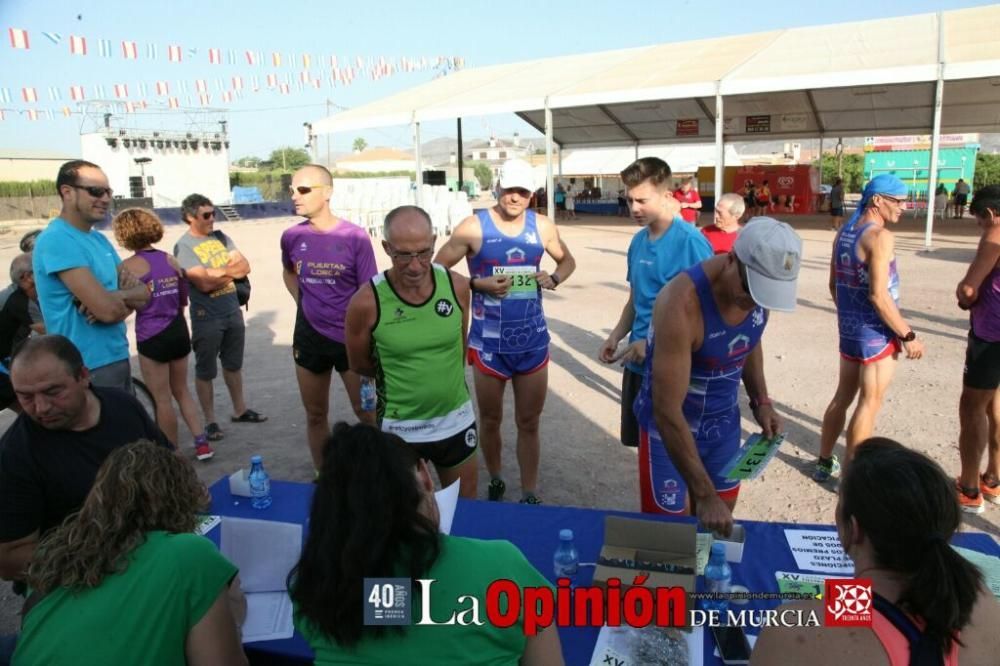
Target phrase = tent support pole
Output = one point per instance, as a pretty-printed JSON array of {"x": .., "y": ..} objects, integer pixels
[
  {"x": 720, "y": 147},
  {"x": 550, "y": 195},
  {"x": 420, "y": 168},
  {"x": 932, "y": 168},
  {"x": 636, "y": 150}
]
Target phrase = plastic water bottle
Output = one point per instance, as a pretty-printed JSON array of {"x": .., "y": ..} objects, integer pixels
[
  {"x": 566, "y": 560},
  {"x": 260, "y": 484},
  {"x": 367, "y": 394},
  {"x": 718, "y": 578}
]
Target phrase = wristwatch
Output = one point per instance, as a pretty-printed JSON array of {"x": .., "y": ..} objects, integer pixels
[
  {"x": 755, "y": 403},
  {"x": 555, "y": 278},
  {"x": 909, "y": 337}
]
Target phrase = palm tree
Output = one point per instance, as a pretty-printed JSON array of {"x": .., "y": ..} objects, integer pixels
[{"x": 359, "y": 145}]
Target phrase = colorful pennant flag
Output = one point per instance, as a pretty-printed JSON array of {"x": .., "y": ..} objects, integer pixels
[
  {"x": 276, "y": 59},
  {"x": 272, "y": 80},
  {"x": 53, "y": 37},
  {"x": 306, "y": 60},
  {"x": 104, "y": 47},
  {"x": 251, "y": 58},
  {"x": 201, "y": 86},
  {"x": 142, "y": 89},
  {"x": 172, "y": 103},
  {"x": 99, "y": 91},
  {"x": 77, "y": 45},
  {"x": 174, "y": 53},
  {"x": 214, "y": 57},
  {"x": 237, "y": 83},
  {"x": 32, "y": 114},
  {"x": 162, "y": 88},
  {"x": 76, "y": 93},
  {"x": 205, "y": 99},
  {"x": 5, "y": 95},
  {"x": 283, "y": 89},
  {"x": 129, "y": 107},
  {"x": 66, "y": 111},
  {"x": 29, "y": 95},
  {"x": 151, "y": 51},
  {"x": 54, "y": 95},
  {"x": 130, "y": 50},
  {"x": 232, "y": 59},
  {"x": 227, "y": 96},
  {"x": 18, "y": 38},
  {"x": 121, "y": 90}
]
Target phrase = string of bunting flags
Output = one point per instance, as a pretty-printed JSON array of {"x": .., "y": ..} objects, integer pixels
[{"x": 315, "y": 72}]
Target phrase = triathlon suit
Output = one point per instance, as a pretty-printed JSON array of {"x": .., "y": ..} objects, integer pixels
[
  {"x": 161, "y": 331},
  {"x": 508, "y": 335},
  {"x": 711, "y": 406},
  {"x": 899, "y": 632},
  {"x": 864, "y": 337},
  {"x": 420, "y": 374}
]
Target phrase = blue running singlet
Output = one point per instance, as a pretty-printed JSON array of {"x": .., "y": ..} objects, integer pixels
[
  {"x": 516, "y": 323},
  {"x": 863, "y": 334}
]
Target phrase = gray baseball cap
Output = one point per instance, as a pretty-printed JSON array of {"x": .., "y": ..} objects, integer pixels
[{"x": 772, "y": 253}]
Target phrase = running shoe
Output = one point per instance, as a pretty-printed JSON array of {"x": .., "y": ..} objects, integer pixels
[
  {"x": 969, "y": 504},
  {"x": 203, "y": 451},
  {"x": 530, "y": 499},
  {"x": 988, "y": 492},
  {"x": 826, "y": 469},
  {"x": 496, "y": 490}
]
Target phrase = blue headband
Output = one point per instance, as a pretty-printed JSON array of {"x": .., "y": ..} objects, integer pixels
[{"x": 883, "y": 183}]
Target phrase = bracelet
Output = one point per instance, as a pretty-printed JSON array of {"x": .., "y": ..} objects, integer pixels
[
  {"x": 755, "y": 403},
  {"x": 555, "y": 278}
]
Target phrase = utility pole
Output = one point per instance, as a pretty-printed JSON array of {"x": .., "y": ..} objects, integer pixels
[{"x": 329, "y": 103}]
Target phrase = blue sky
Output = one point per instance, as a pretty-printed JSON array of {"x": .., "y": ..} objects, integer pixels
[{"x": 483, "y": 33}]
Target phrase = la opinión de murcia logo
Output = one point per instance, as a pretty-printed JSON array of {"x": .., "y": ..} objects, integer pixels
[{"x": 848, "y": 602}]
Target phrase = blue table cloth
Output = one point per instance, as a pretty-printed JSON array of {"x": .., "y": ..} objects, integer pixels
[{"x": 535, "y": 530}]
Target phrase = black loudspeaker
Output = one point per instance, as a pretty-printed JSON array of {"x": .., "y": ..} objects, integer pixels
[{"x": 436, "y": 177}]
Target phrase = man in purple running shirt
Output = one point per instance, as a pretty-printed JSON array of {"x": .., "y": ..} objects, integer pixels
[{"x": 325, "y": 260}]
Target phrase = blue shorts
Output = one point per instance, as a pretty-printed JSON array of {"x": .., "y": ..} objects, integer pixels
[
  {"x": 662, "y": 489},
  {"x": 505, "y": 366}
]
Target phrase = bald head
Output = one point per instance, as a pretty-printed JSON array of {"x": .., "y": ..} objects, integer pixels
[
  {"x": 316, "y": 173},
  {"x": 409, "y": 222},
  {"x": 19, "y": 266}
]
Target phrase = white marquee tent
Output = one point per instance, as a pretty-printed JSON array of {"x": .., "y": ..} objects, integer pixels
[{"x": 906, "y": 75}]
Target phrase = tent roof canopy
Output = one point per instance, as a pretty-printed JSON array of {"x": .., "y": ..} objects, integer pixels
[{"x": 847, "y": 79}]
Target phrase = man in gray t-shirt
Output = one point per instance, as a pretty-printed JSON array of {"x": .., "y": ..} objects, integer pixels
[{"x": 211, "y": 262}]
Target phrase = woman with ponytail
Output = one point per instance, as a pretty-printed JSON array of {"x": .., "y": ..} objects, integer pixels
[
  {"x": 896, "y": 514},
  {"x": 374, "y": 515}
]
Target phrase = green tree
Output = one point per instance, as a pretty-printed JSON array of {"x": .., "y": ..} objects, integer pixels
[
  {"x": 484, "y": 174},
  {"x": 249, "y": 162},
  {"x": 287, "y": 158},
  {"x": 987, "y": 171},
  {"x": 359, "y": 145},
  {"x": 854, "y": 176}
]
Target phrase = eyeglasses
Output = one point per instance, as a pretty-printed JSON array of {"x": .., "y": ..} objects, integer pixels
[
  {"x": 304, "y": 189},
  {"x": 207, "y": 215},
  {"x": 423, "y": 256},
  {"x": 94, "y": 191},
  {"x": 898, "y": 202}
]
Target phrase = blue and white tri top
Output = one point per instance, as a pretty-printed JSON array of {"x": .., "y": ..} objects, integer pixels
[
  {"x": 514, "y": 324},
  {"x": 863, "y": 334}
]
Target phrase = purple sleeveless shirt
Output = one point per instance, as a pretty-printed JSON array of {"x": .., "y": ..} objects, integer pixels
[
  {"x": 168, "y": 295},
  {"x": 986, "y": 310}
]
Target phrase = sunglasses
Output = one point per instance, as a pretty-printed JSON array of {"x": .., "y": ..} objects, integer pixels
[
  {"x": 304, "y": 189},
  {"x": 207, "y": 215},
  {"x": 898, "y": 202},
  {"x": 94, "y": 191},
  {"x": 423, "y": 256}
]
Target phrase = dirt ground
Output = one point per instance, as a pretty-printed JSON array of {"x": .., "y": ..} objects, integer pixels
[{"x": 582, "y": 462}]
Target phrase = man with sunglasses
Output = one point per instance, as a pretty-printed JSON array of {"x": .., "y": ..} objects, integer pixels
[
  {"x": 704, "y": 339},
  {"x": 407, "y": 327},
  {"x": 211, "y": 262},
  {"x": 324, "y": 260},
  {"x": 864, "y": 284},
  {"x": 509, "y": 339},
  {"x": 84, "y": 291}
]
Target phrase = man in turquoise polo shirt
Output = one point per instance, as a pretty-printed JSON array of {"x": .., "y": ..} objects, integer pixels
[{"x": 84, "y": 292}]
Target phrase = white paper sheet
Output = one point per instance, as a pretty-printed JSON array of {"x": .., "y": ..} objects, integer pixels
[
  {"x": 447, "y": 501},
  {"x": 269, "y": 617},
  {"x": 819, "y": 550},
  {"x": 206, "y": 524},
  {"x": 264, "y": 550}
]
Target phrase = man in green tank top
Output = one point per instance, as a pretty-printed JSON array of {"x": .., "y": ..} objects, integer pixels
[{"x": 407, "y": 328}]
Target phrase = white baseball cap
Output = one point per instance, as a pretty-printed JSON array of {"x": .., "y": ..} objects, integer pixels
[
  {"x": 772, "y": 253},
  {"x": 517, "y": 173}
]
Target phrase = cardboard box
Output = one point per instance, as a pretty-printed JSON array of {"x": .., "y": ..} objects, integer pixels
[{"x": 652, "y": 541}]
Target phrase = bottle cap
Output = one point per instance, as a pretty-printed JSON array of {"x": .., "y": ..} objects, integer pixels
[
  {"x": 566, "y": 535},
  {"x": 256, "y": 460},
  {"x": 718, "y": 549}
]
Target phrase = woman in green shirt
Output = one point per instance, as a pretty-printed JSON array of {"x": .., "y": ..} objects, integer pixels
[
  {"x": 125, "y": 581},
  {"x": 374, "y": 515}
]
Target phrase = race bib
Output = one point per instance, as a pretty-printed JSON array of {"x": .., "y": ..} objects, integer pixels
[{"x": 523, "y": 283}]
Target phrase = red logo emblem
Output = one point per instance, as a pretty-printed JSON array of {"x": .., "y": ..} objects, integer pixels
[{"x": 848, "y": 602}]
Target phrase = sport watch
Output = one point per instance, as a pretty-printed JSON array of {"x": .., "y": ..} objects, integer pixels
[{"x": 909, "y": 337}]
